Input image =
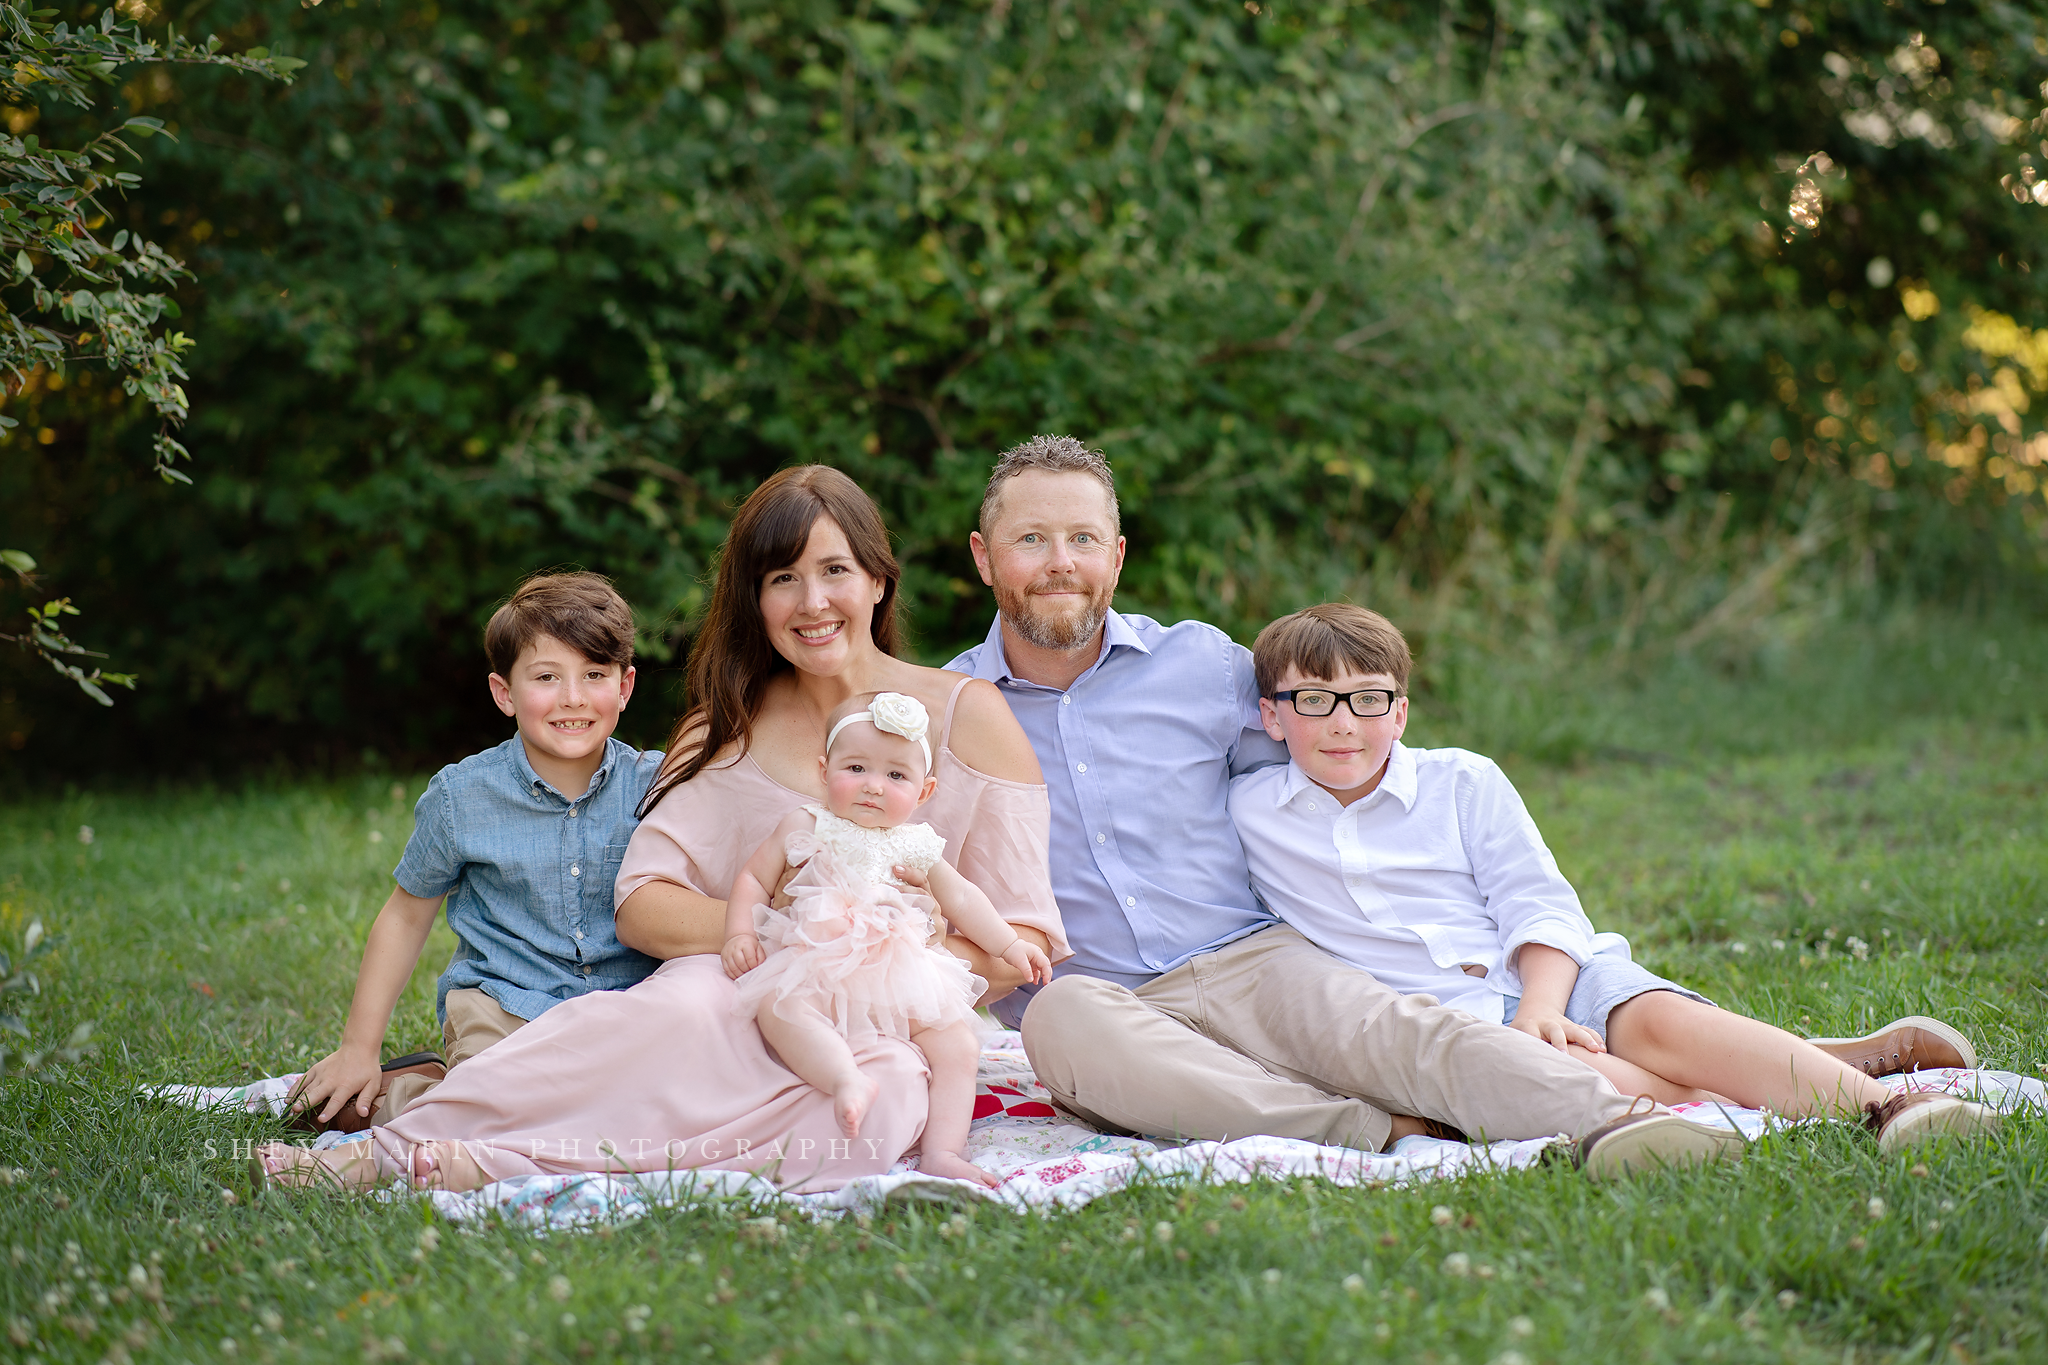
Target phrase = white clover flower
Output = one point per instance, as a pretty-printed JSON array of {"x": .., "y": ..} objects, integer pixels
[
  {"x": 1458, "y": 1265},
  {"x": 558, "y": 1288},
  {"x": 1875, "y": 1208},
  {"x": 1441, "y": 1216}
]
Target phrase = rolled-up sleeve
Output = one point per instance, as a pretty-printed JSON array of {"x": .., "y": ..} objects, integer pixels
[
  {"x": 1524, "y": 892},
  {"x": 432, "y": 862}
]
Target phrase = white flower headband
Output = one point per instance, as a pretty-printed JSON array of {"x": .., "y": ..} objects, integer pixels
[{"x": 894, "y": 714}]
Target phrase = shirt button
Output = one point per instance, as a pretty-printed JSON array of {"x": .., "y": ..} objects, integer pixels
[
  {"x": 1080, "y": 767},
  {"x": 573, "y": 812},
  {"x": 579, "y": 933},
  {"x": 1131, "y": 901},
  {"x": 1101, "y": 838},
  {"x": 1066, "y": 701},
  {"x": 1311, "y": 805},
  {"x": 575, "y": 871}
]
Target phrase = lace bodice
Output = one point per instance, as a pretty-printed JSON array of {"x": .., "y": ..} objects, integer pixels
[{"x": 869, "y": 853}]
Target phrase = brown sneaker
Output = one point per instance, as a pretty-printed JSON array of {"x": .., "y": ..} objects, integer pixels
[
  {"x": 1642, "y": 1142},
  {"x": 1906, "y": 1120},
  {"x": 1906, "y": 1044},
  {"x": 347, "y": 1120}
]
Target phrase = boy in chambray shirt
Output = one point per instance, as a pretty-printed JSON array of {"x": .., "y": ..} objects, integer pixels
[
  {"x": 523, "y": 841},
  {"x": 1423, "y": 867}
]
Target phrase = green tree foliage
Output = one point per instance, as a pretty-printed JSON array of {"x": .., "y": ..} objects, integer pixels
[
  {"x": 1492, "y": 316},
  {"x": 51, "y": 211}
]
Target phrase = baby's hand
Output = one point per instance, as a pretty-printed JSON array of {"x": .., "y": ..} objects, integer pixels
[
  {"x": 1030, "y": 959},
  {"x": 742, "y": 954},
  {"x": 910, "y": 876}
]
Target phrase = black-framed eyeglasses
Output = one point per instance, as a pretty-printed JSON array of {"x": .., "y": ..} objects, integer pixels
[{"x": 1368, "y": 703}]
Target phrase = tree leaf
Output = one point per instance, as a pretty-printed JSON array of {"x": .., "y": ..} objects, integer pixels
[{"x": 16, "y": 559}]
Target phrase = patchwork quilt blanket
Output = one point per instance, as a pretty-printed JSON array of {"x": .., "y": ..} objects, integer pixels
[{"x": 1047, "y": 1159}]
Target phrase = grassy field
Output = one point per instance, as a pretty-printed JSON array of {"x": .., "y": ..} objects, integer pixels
[{"x": 1851, "y": 832}]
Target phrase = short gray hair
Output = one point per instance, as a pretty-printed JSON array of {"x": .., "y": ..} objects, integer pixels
[{"x": 1054, "y": 455}]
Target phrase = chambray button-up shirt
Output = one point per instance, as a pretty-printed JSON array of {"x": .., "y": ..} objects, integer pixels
[
  {"x": 1138, "y": 756},
  {"x": 528, "y": 875},
  {"x": 1437, "y": 867}
]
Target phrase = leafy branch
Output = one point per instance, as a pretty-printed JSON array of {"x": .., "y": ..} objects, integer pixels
[
  {"x": 106, "y": 296},
  {"x": 46, "y": 638}
]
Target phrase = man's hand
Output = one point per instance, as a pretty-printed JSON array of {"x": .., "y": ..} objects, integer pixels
[
  {"x": 742, "y": 954},
  {"x": 1030, "y": 959},
  {"x": 347, "y": 1073},
  {"x": 1556, "y": 1030}
]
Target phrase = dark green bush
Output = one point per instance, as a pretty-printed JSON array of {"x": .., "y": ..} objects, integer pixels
[{"x": 1491, "y": 317}]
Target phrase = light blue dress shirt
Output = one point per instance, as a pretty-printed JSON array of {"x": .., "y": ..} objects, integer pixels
[
  {"x": 528, "y": 875},
  {"x": 1138, "y": 755}
]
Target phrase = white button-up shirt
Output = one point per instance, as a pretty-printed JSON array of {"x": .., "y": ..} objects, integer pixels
[{"x": 1440, "y": 866}]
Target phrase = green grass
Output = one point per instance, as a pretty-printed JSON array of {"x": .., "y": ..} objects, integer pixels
[{"x": 1807, "y": 802}]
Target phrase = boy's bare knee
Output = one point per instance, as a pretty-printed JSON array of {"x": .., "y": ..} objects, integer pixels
[{"x": 1658, "y": 1019}]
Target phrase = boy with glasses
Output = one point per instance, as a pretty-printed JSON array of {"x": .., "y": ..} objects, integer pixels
[{"x": 1423, "y": 867}]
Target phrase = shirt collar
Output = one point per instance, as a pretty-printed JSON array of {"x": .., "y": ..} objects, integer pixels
[
  {"x": 529, "y": 780},
  {"x": 993, "y": 665},
  {"x": 1398, "y": 784}
]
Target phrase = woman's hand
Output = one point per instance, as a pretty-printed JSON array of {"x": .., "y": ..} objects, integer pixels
[
  {"x": 1030, "y": 959},
  {"x": 1553, "y": 1028},
  {"x": 347, "y": 1073},
  {"x": 741, "y": 955}
]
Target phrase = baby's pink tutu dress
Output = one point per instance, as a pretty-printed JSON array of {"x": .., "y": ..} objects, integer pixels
[{"x": 854, "y": 941}]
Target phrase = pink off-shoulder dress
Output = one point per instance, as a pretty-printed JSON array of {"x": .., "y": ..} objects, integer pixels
[{"x": 669, "y": 1075}]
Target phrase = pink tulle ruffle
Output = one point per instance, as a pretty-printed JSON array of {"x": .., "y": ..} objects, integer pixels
[{"x": 861, "y": 953}]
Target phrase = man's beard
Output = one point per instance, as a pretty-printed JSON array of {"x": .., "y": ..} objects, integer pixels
[{"x": 1050, "y": 627}]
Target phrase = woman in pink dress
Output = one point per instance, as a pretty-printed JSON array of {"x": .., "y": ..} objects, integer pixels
[{"x": 669, "y": 1075}]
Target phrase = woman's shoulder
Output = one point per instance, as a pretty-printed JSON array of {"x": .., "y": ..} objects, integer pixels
[
  {"x": 721, "y": 780},
  {"x": 985, "y": 734}
]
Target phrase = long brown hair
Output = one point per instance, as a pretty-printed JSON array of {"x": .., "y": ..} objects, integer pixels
[{"x": 732, "y": 661}]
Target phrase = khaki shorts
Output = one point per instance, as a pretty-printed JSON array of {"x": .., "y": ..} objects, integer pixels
[{"x": 475, "y": 1021}]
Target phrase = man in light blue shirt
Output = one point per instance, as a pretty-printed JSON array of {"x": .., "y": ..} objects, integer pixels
[
  {"x": 1141, "y": 747},
  {"x": 1187, "y": 1009}
]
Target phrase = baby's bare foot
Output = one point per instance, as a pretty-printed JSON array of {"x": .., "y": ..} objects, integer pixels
[
  {"x": 953, "y": 1166},
  {"x": 851, "y": 1102},
  {"x": 446, "y": 1166}
]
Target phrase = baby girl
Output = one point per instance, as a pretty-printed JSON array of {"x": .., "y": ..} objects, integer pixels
[{"x": 853, "y": 947}]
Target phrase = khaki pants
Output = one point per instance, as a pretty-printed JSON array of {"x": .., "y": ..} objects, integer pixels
[
  {"x": 475, "y": 1021},
  {"x": 1271, "y": 1035}
]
